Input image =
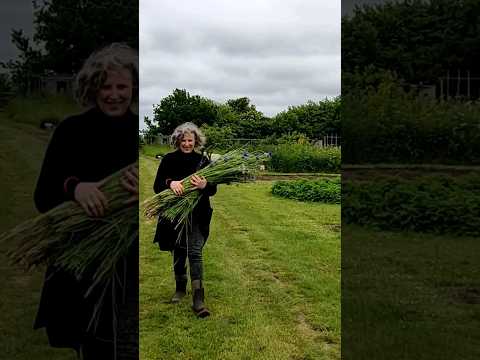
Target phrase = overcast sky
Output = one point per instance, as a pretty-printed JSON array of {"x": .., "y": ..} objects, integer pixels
[
  {"x": 277, "y": 53},
  {"x": 17, "y": 14}
]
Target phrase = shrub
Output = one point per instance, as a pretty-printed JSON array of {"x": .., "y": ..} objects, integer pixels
[
  {"x": 387, "y": 124},
  {"x": 327, "y": 191},
  {"x": 304, "y": 158},
  {"x": 438, "y": 204}
]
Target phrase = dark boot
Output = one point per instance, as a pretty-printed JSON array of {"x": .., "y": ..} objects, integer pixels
[
  {"x": 180, "y": 290},
  {"x": 198, "y": 296}
]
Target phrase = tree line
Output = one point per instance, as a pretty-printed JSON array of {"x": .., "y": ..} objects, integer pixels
[
  {"x": 239, "y": 118},
  {"x": 66, "y": 33}
]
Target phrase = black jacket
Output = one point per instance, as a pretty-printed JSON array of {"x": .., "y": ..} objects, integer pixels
[
  {"x": 84, "y": 148},
  {"x": 176, "y": 166}
]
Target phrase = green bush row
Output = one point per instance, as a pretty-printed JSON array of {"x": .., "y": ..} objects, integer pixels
[
  {"x": 327, "y": 191},
  {"x": 304, "y": 158},
  {"x": 387, "y": 124},
  {"x": 436, "y": 204}
]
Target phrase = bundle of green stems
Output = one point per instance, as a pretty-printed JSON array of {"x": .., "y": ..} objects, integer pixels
[
  {"x": 67, "y": 238},
  {"x": 233, "y": 167}
]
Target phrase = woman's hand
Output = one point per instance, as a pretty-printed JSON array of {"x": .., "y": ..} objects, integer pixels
[
  {"x": 90, "y": 198},
  {"x": 129, "y": 181},
  {"x": 198, "y": 181},
  {"x": 176, "y": 187}
]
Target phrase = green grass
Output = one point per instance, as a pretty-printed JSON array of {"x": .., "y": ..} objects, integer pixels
[
  {"x": 409, "y": 296},
  {"x": 22, "y": 148},
  {"x": 272, "y": 279},
  {"x": 34, "y": 110},
  {"x": 152, "y": 150}
]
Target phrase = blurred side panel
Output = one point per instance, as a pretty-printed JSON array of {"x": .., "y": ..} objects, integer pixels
[
  {"x": 43, "y": 46},
  {"x": 410, "y": 180}
]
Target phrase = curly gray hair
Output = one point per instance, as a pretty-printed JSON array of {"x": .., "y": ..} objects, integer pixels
[
  {"x": 94, "y": 71},
  {"x": 187, "y": 128}
]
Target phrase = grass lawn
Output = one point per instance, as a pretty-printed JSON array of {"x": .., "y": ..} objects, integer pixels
[
  {"x": 22, "y": 148},
  {"x": 272, "y": 281},
  {"x": 33, "y": 110},
  {"x": 409, "y": 296},
  {"x": 153, "y": 149}
]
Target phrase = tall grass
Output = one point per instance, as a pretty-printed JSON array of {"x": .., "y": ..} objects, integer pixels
[{"x": 35, "y": 109}]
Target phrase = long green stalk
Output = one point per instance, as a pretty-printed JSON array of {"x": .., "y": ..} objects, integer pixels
[{"x": 235, "y": 166}]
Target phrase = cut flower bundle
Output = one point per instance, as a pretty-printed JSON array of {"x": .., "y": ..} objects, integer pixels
[
  {"x": 235, "y": 166},
  {"x": 68, "y": 239}
]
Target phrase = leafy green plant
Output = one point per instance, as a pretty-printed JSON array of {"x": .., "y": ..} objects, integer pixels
[
  {"x": 382, "y": 122},
  {"x": 327, "y": 191},
  {"x": 304, "y": 158},
  {"x": 435, "y": 204}
]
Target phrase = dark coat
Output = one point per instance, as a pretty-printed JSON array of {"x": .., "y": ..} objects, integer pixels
[
  {"x": 88, "y": 147},
  {"x": 176, "y": 166}
]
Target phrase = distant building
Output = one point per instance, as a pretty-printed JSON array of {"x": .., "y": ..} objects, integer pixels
[
  {"x": 57, "y": 84},
  {"x": 51, "y": 84}
]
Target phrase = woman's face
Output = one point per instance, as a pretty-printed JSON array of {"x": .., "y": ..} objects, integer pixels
[
  {"x": 188, "y": 143},
  {"x": 115, "y": 95}
]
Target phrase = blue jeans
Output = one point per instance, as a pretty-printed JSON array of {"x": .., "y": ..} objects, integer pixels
[{"x": 193, "y": 251}]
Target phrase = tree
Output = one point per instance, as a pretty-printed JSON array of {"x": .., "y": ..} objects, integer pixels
[
  {"x": 217, "y": 138},
  {"x": 417, "y": 39},
  {"x": 245, "y": 120},
  {"x": 68, "y": 31},
  {"x": 180, "y": 107},
  {"x": 314, "y": 119},
  {"x": 240, "y": 105},
  {"x": 5, "y": 83},
  {"x": 28, "y": 63}
]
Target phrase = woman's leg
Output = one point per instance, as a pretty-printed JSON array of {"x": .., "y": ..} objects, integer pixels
[
  {"x": 180, "y": 270},
  {"x": 179, "y": 263},
  {"x": 94, "y": 348},
  {"x": 195, "y": 248}
]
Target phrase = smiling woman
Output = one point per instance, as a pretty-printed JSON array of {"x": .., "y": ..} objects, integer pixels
[
  {"x": 174, "y": 167},
  {"x": 115, "y": 94},
  {"x": 84, "y": 150},
  {"x": 109, "y": 80}
]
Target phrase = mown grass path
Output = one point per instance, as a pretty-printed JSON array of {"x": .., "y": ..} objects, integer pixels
[
  {"x": 409, "y": 295},
  {"x": 21, "y": 154},
  {"x": 272, "y": 279}
]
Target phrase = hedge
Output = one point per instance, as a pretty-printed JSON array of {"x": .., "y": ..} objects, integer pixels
[
  {"x": 327, "y": 191},
  {"x": 435, "y": 204}
]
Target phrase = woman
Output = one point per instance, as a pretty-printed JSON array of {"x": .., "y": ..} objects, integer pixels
[
  {"x": 174, "y": 167},
  {"x": 83, "y": 150}
]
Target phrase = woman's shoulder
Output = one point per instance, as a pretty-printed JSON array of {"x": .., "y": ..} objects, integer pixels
[
  {"x": 75, "y": 122},
  {"x": 171, "y": 154}
]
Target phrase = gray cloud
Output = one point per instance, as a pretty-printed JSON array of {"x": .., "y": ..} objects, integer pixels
[
  {"x": 276, "y": 53},
  {"x": 16, "y": 14}
]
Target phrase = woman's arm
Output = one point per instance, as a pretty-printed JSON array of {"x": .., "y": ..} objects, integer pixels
[
  {"x": 163, "y": 179},
  {"x": 55, "y": 183},
  {"x": 210, "y": 189}
]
